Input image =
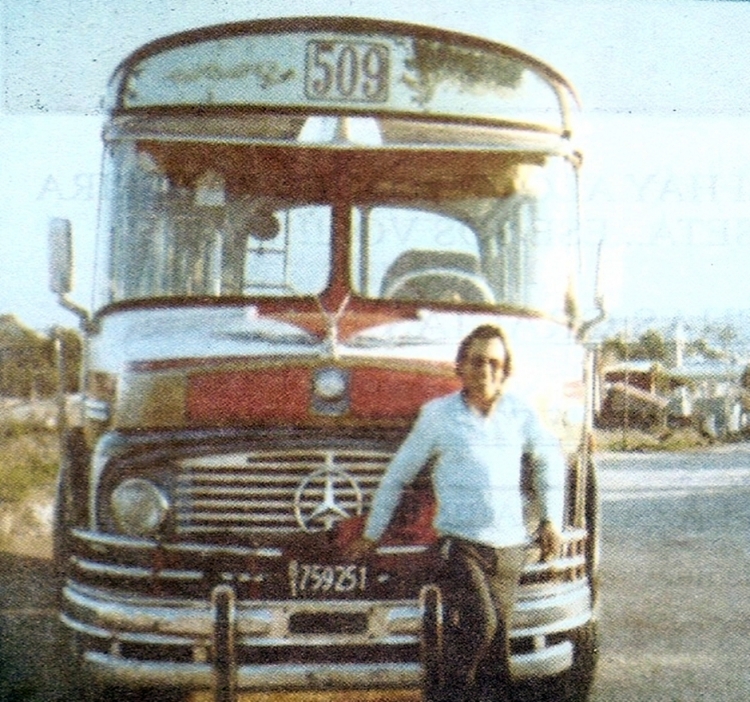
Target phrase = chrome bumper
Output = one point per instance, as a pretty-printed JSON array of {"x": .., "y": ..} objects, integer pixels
[
  {"x": 109, "y": 626},
  {"x": 289, "y": 677}
]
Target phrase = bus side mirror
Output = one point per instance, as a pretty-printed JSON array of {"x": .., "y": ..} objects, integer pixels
[
  {"x": 60, "y": 256},
  {"x": 61, "y": 268}
]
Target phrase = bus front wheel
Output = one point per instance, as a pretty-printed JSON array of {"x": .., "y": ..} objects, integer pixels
[{"x": 432, "y": 644}]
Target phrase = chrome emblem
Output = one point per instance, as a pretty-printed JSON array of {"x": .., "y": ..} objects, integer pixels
[{"x": 326, "y": 496}]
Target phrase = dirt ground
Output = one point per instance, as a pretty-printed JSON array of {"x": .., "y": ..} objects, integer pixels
[{"x": 25, "y": 529}]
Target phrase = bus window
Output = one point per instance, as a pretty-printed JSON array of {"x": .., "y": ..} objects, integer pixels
[
  {"x": 515, "y": 249},
  {"x": 289, "y": 252},
  {"x": 180, "y": 227},
  {"x": 411, "y": 254}
]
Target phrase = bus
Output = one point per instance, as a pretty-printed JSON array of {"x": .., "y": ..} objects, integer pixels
[{"x": 299, "y": 220}]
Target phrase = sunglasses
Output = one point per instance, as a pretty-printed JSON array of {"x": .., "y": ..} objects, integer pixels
[{"x": 479, "y": 362}]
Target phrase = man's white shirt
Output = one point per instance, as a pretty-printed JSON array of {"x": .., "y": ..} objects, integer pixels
[{"x": 477, "y": 470}]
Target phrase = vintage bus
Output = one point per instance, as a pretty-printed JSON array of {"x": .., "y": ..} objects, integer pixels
[{"x": 300, "y": 219}]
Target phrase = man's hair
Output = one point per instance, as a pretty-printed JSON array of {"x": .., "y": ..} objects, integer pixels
[{"x": 485, "y": 331}]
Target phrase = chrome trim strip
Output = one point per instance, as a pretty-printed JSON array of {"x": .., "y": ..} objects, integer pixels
[
  {"x": 559, "y": 626},
  {"x": 98, "y": 410},
  {"x": 81, "y": 628},
  {"x": 554, "y": 608},
  {"x": 257, "y": 677},
  {"x": 118, "y": 571},
  {"x": 94, "y": 537},
  {"x": 556, "y": 565},
  {"x": 546, "y": 661},
  {"x": 118, "y": 541},
  {"x": 320, "y": 641},
  {"x": 395, "y": 550},
  {"x": 135, "y": 572},
  {"x": 388, "y": 621}
]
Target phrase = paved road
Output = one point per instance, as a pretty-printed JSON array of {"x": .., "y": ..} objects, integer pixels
[
  {"x": 676, "y": 577},
  {"x": 675, "y": 589}
]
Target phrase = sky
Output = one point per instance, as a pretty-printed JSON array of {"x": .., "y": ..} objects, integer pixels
[{"x": 664, "y": 85}]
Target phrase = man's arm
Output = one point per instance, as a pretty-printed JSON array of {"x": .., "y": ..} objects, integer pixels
[
  {"x": 549, "y": 539},
  {"x": 359, "y": 548},
  {"x": 413, "y": 453},
  {"x": 548, "y": 480}
]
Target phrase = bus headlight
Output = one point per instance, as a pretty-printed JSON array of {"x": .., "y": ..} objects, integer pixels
[{"x": 139, "y": 507}]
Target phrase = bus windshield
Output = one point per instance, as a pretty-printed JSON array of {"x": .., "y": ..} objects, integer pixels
[
  {"x": 515, "y": 248},
  {"x": 189, "y": 219}
]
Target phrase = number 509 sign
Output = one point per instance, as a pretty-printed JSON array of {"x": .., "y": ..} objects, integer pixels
[{"x": 349, "y": 71}]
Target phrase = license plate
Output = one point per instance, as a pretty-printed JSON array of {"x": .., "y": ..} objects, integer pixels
[
  {"x": 316, "y": 579},
  {"x": 347, "y": 71}
]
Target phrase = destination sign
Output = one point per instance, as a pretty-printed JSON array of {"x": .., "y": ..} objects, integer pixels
[
  {"x": 350, "y": 72},
  {"x": 384, "y": 73}
]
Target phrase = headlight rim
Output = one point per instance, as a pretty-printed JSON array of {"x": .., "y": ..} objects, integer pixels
[{"x": 156, "y": 503}]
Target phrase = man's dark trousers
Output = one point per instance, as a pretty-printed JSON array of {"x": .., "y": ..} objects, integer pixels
[{"x": 479, "y": 585}]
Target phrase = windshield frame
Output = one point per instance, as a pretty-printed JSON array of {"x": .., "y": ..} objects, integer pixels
[{"x": 349, "y": 188}]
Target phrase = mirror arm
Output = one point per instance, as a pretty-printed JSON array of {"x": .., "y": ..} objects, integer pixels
[
  {"x": 589, "y": 324},
  {"x": 599, "y": 301},
  {"x": 84, "y": 318}
]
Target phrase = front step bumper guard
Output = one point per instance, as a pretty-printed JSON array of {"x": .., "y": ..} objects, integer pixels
[{"x": 216, "y": 631}]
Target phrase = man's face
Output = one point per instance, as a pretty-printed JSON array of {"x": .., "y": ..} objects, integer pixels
[{"x": 482, "y": 371}]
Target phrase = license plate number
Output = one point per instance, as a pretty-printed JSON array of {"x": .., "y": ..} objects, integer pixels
[
  {"x": 307, "y": 579},
  {"x": 347, "y": 71}
]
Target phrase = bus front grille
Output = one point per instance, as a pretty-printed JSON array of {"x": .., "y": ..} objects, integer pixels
[{"x": 274, "y": 491}]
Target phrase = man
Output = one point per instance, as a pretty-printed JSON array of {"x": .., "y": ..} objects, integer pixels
[{"x": 479, "y": 439}]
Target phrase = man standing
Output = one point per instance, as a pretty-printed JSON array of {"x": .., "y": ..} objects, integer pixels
[{"x": 479, "y": 439}]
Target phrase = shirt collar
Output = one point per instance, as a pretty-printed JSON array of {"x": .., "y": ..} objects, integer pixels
[{"x": 475, "y": 411}]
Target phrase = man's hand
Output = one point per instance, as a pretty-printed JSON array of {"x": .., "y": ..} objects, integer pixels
[
  {"x": 358, "y": 549},
  {"x": 549, "y": 540}
]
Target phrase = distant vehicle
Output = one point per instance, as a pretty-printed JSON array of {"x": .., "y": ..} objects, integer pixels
[{"x": 300, "y": 219}]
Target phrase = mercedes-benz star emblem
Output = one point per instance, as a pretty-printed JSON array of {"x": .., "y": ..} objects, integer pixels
[{"x": 326, "y": 496}]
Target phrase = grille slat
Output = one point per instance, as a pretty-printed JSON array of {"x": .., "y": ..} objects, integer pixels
[
  {"x": 234, "y": 517},
  {"x": 254, "y": 492},
  {"x": 233, "y": 502}
]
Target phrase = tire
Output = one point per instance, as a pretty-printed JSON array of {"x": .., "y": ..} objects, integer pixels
[
  {"x": 67, "y": 514},
  {"x": 579, "y": 679},
  {"x": 81, "y": 687},
  {"x": 432, "y": 648},
  {"x": 61, "y": 524},
  {"x": 574, "y": 685},
  {"x": 71, "y": 499},
  {"x": 592, "y": 516}
]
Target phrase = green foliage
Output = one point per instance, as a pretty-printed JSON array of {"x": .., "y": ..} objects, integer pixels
[
  {"x": 617, "y": 346},
  {"x": 28, "y": 360},
  {"x": 702, "y": 348},
  {"x": 30, "y": 461},
  {"x": 649, "y": 346}
]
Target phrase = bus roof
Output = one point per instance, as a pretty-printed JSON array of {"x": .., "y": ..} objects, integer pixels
[{"x": 343, "y": 66}]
